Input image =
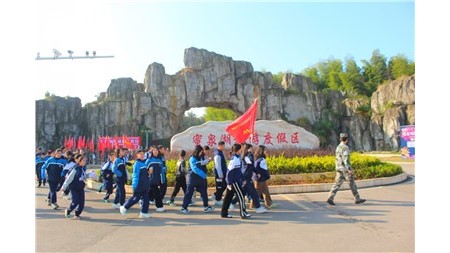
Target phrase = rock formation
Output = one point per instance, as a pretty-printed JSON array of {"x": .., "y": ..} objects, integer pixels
[{"x": 210, "y": 79}]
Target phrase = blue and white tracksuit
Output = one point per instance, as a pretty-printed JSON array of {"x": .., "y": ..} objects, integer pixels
[
  {"x": 75, "y": 181},
  {"x": 107, "y": 175},
  {"x": 141, "y": 185},
  {"x": 51, "y": 170},
  {"x": 234, "y": 185},
  {"x": 157, "y": 179},
  {"x": 121, "y": 179},
  {"x": 196, "y": 180}
]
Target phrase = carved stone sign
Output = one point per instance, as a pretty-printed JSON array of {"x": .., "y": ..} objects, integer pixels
[{"x": 275, "y": 134}]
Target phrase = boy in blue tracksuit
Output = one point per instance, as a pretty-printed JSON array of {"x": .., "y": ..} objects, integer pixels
[
  {"x": 52, "y": 169},
  {"x": 40, "y": 160},
  {"x": 76, "y": 182},
  {"x": 234, "y": 184},
  {"x": 140, "y": 184},
  {"x": 107, "y": 175},
  {"x": 121, "y": 177},
  {"x": 196, "y": 180},
  {"x": 157, "y": 178}
]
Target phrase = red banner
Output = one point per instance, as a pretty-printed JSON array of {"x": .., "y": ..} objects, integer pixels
[
  {"x": 244, "y": 126},
  {"x": 131, "y": 142}
]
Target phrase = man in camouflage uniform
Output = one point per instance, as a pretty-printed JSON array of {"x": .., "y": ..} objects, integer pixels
[{"x": 344, "y": 171}]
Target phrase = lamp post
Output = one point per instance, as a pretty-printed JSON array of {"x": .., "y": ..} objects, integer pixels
[{"x": 147, "y": 131}]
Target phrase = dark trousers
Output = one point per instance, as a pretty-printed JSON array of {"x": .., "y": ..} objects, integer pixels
[
  {"x": 136, "y": 197},
  {"x": 155, "y": 192},
  {"x": 120, "y": 193},
  {"x": 108, "y": 184},
  {"x": 39, "y": 176},
  {"x": 77, "y": 201},
  {"x": 235, "y": 189},
  {"x": 221, "y": 186},
  {"x": 52, "y": 192},
  {"x": 180, "y": 183},
  {"x": 163, "y": 190},
  {"x": 190, "y": 191},
  {"x": 249, "y": 189}
]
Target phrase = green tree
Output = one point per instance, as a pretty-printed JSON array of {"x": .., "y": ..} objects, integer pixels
[
  {"x": 400, "y": 65},
  {"x": 352, "y": 79},
  {"x": 191, "y": 119},
  {"x": 313, "y": 74},
  {"x": 278, "y": 78},
  {"x": 334, "y": 71},
  {"x": 375, "y": 72},
  {"x": 217, "y": 114}
]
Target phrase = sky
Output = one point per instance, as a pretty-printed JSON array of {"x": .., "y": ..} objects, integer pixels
[{"x": 288, "y": 36}]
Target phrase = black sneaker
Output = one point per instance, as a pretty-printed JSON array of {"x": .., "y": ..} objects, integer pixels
[
  {"x": 360, "y": 201},
  {"x": 227, "y": 216},
  {"x": 330, "y": 202}
]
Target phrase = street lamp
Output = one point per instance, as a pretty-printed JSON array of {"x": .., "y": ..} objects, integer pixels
[{"x": 147, "y": 131}]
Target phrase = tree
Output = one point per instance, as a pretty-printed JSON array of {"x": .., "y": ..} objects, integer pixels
[
  {"x": 399, "y": 65},
  {"x": 217, "y": 114},
  {"x": 375, "y": 72},
  {"x": 313, "y": 74},
  {"x": 352, "y": 79},
  {"x": 278, "y": 78},
  {"x": 334, "y": 72},
  {"x": 191, "y": 119}
]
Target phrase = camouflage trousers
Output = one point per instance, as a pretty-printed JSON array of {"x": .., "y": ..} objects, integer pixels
[{"x": 341, "y": 176}]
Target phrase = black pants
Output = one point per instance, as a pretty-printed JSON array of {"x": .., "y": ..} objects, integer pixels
[
  {"x": 201, "y": 187},
  {"x": 180, "y": 183},
  {"x": 108, "y": 184},
  {"x": 155, "y": 191},
  {"x": 235, "y": 189},
  {"x": 52, "y": 192},
  {"x": 120, "y": 193},
  {"x": 163, "y": 190},
  {"x": 39, "y": 176},
  {"x": 249, "y": 189},
  {"x": 221, "y": 186},
  {"x": 77, "y": 201}
]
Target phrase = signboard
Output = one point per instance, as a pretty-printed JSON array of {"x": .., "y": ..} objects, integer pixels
[
  {"x": 407, "y": 141},
  {"x": 274, "y": 134}
]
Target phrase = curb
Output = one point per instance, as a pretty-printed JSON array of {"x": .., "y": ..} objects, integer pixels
[{"x": 297, "y": 188}]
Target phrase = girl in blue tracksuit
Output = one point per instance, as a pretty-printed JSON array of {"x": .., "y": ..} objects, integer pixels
[
  {"x": 234, "y": 184},
  {"x": 76, "y": 182},
  {"x": 121, "y": 177},
  {"x": 157, "y": 178},
  {"x": 196, "y": 180},
  {"x": 107, "y": 175},
  {"x": 71, "y": 163},
  {"x": 51, "y": 170},
  {"x": 140, "y": 184},
  {"x": 40, "y": 160}
]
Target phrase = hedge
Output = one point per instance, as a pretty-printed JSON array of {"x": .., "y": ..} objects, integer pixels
[{"x": 365, "y": 167}]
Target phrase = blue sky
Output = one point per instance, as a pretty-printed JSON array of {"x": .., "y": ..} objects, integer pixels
[{"x": 272, "y": 36}]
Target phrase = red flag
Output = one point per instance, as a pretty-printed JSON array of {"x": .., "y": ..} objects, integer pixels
[
  {"x": 91, "y": 145},
  {"x": 244, "y": 126}
]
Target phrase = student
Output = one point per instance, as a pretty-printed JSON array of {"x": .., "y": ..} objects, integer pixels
[
  {"x": 220, "y": 173},
  {"x": 40, "y": 160},
  {"x": 157, "y": 178},
  {"x": 52, "y": 169},
  {"x": 247, "y": 186},
  {"x": 107, "y": 175},
  {"x": 121, "y": 177},
  {"x": 71, "y": 163},
  {"x": 180, "y": 178},
  {"x": 76, "y": 182},
  {"x": 262, "y": 175},
  {"x": 196, "y": 180},
  {"x": 141, "y": 185},
  {"x": 162, "y": 152},
  {"x": 234, "y": 184}
]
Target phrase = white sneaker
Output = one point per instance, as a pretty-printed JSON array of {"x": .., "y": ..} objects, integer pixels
[
  {"x": 160, "y": 209},
  {"x": 218, "y": 203},
  {"x": 208, "y": 209},
  {"x": 144, "y": 215},
  {"x": 261, "y": 209},
  {"x": 232, "y": 207},
  {"x": 115, "y": 206},
  {"x": 123, "y": 210},
  {"x": 151, "y": 202}
]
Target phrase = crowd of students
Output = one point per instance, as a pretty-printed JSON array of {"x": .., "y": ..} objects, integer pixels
[{"x": 245, "y": 175}]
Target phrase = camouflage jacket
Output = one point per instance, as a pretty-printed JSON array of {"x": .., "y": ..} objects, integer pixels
[{"x": 342, "y": 157}]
